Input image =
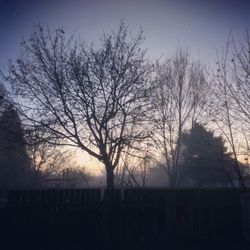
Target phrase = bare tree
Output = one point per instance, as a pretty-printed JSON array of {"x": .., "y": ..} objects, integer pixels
[
  {"x": 178, "y": 99},
  {"x": 47, "y": 161},
  {"x": 239, "y": 73},
  {"x": 229, "y": 107},
  {"x": 133, "y": 168},
  {"x": 72, "y": 177},
  {"x": 90, "y": 97}
]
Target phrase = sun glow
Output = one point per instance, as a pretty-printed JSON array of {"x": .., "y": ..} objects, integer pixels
[{"x": 91, "y": 164}]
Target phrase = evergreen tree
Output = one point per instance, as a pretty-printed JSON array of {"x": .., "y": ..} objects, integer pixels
[
  {"x": 205, "y": 160},
  {"x": 14, "y": 161}
]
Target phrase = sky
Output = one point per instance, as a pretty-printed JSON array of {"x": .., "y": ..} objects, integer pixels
[{"x": 201, "y": 26}]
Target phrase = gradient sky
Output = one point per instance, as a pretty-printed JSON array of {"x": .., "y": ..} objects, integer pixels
[{"x": 201, "y": 26}]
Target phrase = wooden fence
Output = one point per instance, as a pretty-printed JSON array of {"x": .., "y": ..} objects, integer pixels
[{"x": 94, "y": 217}]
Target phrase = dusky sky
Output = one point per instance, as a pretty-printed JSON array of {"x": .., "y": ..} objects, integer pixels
[{"x": 199, "y": 25}]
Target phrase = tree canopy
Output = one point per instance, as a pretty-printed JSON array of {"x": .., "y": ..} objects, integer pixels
[
  {"x": 205, "y": 160},
  {"x": 90, "y": 97}
]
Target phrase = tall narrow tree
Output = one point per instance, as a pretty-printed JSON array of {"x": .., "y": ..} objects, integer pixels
[
  {"x": 14, "y": 161},
  {"x": 178, "y": 98}
]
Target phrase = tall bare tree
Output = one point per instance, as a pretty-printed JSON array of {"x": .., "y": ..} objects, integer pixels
[
  {"x": 240, "y": 73},
  {"x": 231, "y": 88},
  {"x": 90, "y": 97},
  {"x": 178, "y": 99}
]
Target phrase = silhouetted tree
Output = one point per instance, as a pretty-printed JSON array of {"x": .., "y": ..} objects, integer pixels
[
  {"x": 14, "y": 161},
  {"x": 237, "y": 63},
  {"x": 46, "y": 161},
  {"x": 2, "y": 96},
  {"x": 204, "y": 159},
  {"x": 230, "y": 102},
  {"x": 75, "y": 177},
  {"x": 178, "y": 98},
  {"x": 133, "y": 168},
  {"x": 93, "y": 98}
]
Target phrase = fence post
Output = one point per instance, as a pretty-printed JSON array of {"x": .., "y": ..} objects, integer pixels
[{"x": 245, "y": 206}]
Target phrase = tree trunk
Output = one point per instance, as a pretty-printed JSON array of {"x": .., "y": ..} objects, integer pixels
[
  {"x": 109, "y": 177},
  {"x": 172, "y": 181}
]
